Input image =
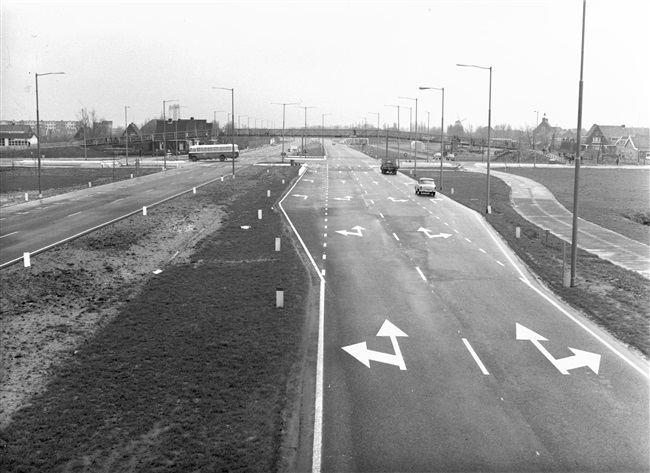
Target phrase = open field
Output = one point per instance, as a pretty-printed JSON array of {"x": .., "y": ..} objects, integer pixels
[
  {"x": 613, "y": 297},
  {"x": 16, "y": 181},
  {"x": 108, "y": 367}
]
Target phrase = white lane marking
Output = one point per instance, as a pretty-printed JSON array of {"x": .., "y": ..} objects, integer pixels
[
  {"x": 475, "y": 356},
  {"x": 381, "y": 215},
  {"x": 117, "y": 200},
  {"x": 421, "y": 274},
  {"x": 499, "y": 262},
  {"x": 645, "y": 373},
  {"x": 8, "y": 234},
  {"x": 482, "y": 251},
  {"x": 76, "y": 213},
  {"x": 396, "y": 237},
  {"x": 468, "y": 240},
  {"x": 149, "y": 190}
]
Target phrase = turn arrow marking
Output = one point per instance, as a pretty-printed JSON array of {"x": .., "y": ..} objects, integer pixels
[
  {"x": 347, "y": 197},
  {"x": 356, "y": 233},
  {"x": 431, "y": 235},
  {"x": 579, "y": 359},
  {"x": 360, "y": 350},
  {"x": 299, "y": 195},
  {"x": 397, "y": 200}
]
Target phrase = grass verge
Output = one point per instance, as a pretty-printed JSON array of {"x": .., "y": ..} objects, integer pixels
[
  {"x": 613, "y": 297},
  {"x": 192, "y": 373}
]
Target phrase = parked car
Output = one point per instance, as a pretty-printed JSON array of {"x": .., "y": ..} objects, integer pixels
[{"x": 425, "y": 185}]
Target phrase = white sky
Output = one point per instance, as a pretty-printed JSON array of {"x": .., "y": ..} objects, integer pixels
[{"x": 345, "y": 58}]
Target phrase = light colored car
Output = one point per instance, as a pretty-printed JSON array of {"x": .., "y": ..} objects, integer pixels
[{"x": 425, "y": 185}]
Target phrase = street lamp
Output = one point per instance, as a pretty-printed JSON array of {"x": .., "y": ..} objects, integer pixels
[
  {"x": 487, "y": 197},
  {"x": 376, "y": 113},
  {"x": 126, "y": 132},
  {"x": 304, "y": 131},
  {"x": 574, "y": 231},
  {"x": 398, "y": 132},
  {"x": 415, "y": 171},
  {"x": 165, "y": 133},
  {"x": 284, "y": 106},
  {"x": 232, "y": 92},
  {"x": 442, "y": 127},
  {"x": 38, "y": 130}
]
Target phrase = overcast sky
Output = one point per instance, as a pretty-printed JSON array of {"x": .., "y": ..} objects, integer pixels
[{"x": 345, "y": 58}]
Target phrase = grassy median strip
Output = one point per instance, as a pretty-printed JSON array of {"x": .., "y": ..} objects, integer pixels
[
  {"x": 192, "y": 373},
  {"x": 613, "y": 297}
]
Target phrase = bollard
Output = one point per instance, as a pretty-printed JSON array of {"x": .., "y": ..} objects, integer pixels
[
  {"x": 282, "y": 181},
  {"x": 90, "y": 184},
  {"x": 279, "y": 298},
  {"x": 259, "y": 214},
  {"x": 26, "y": 260},
  {"x": 489, "y": 209},
  {"x": 277, "y": 244},
  {"x": 518, "y": 232},
  {"x": 452, "y": 191},
  {"x": 144, "y": 210},
  {"x": 131, "y": 176},
  {"x": 268, "y": 193},
  {"x": 193, "y": 190},
  {"x": 26, "y": 196}
]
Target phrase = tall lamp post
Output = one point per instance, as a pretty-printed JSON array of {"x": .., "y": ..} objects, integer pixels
[
  {"x": 398, "y": 131},
  {"x": 126, "y": 132},
  {"x": 442, "y": 128},
  {"x": 165, "y": 132},
  {"x": 415, "y": 171},
  {"x": 377, "y": 113},
  {"x": 574, "y": 231},
  {"x": 284, "y": 106},
  {"x": 487, "y": 197},
  {"x": 232, "y": 95},
  {"x": 304, "y": 131},
  {"x": 38, "y": 130},
  {"x": 323, "y": 128}
]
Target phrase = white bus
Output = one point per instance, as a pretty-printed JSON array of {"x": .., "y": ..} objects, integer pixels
[{"x": 222, "y": 152}]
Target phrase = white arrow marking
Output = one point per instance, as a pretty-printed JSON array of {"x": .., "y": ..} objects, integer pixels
[
  {"x": 397, "y": 200},
  {"x": 300, "y": 195},
  {"x": 357, "y": 233},
  {"x": 308, "y": 180},
  {"x": 431, "y": 235},
  {"x": 360, "y": 350},
  {"x": 347, "y": 197},
  {"x": 435, "y": 201},
  {"x": 579, "y": 359}
]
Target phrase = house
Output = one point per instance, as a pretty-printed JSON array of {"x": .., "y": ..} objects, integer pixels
[
  {"x": 620, "y": 142},
  {"x": 17, "y": 136},
  {"x": 175, "y": 134}
]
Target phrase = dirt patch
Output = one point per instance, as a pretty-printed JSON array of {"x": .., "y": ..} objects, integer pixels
[{"x": 72, "y": 291}]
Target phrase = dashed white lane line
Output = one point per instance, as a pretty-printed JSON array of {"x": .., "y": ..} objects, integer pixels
[
  {"x": 468, "y": 240},
  {"x": 420, "y": 273},
  {"x": 499, "y": 262},
  {"x": 475, "y": 356},
  {"x": 8, "y": 234},
  {"x": 396, "y": 237},
  {"x": 76, "y": 213},
  {"x": 482, "y": 251}
]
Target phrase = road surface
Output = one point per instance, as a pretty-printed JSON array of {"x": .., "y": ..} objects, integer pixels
[
  {"x": 33, "y": 226},
  {"x": 440, "y": 352}
]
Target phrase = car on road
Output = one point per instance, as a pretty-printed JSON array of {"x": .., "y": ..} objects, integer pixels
[{"x": 425, "y": 185}]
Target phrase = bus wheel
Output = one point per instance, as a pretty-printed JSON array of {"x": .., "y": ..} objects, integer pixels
[
  {"x": 193, "y": 158},
  {"x": 222, "y": 158}
]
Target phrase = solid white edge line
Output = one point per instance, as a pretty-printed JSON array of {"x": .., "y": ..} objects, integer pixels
[
  {"x": 475, "y": 356},
  {"x": 318, "y": 403},
  {"x": 646, "y": 374}
]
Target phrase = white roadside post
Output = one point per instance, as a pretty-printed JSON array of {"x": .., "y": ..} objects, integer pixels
[
  {"x": 279, "y": 298},
  {"x": 26, "y": 260},
  {"x": 277, "y": 244}
]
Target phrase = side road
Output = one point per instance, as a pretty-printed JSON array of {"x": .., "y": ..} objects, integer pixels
[{"x": 537, "y": 204}]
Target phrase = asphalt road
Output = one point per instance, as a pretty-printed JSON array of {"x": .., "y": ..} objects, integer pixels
[
  {"x": 467, "y": 363},
  {"x": 34, "y": 226}
]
